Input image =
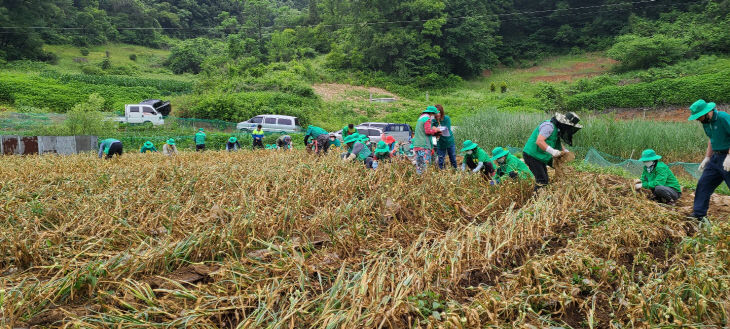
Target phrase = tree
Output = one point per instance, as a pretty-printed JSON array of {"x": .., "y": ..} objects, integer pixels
[
  {"x": 188, "y": 55},
  {"x": 635, "y": 52}
]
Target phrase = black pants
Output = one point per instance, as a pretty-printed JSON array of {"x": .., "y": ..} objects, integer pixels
[
  {"x": 665, "y": 194},
  {"x": 258, "y": 143},
  {"x": 115, "y": 148},
  {"x": 323, "y": 143},
  {"x": 200, "y": 147},
  {"x": 539, "y": 169},
  {"x": 487, "y": 168}
]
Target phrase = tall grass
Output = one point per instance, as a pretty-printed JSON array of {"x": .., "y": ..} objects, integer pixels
[{"x": 676, "y": 141}]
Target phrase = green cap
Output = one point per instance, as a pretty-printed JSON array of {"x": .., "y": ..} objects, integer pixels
[
  {"x": 382, "y": 147},
  {"x": 468, "y": 145},
  {"x": 200, "y": 129},
  {"x": 700, "y": 108},
  {"x": 232, "y": 140},
  {"x": 170, "y": 141},
  {"x": 431, "y": 109},
  {"x": 649, "y": 155},
  {"x": 364, "y": 138},
  {"x": 148, "y": 144},
  {"x": 498, "y": 152},
  {"x": 352, "y": 138}
]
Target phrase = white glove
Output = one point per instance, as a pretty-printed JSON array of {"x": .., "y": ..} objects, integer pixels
[
  {"x": 638, "y": 186},
  {"x": 726, "y": 163},
  {"x": 637, "y": 181},
  {"x": 555, "y": 153},
  {"x": 704, "y": 163}
]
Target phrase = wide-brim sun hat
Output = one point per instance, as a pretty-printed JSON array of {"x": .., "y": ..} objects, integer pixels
[
  {"x": 382, "y": 147},
  {"x": 232, "y": 140},
  {"x": 148, "y": 144},
  {"x": 569, "y": 118},
  {"x": 499, "y": 152},
  {"x": 389, "y": 140},
  {"x": 201, "y": 129},
  {"x": 170, "y": 141},
  {"x": 468, "y": 145},
  {"x": 352, "y": 138},
  {"x": 431, "y": 109},
  {"x": 700, "y": 108},
  {"x": 649, "y": 155}
]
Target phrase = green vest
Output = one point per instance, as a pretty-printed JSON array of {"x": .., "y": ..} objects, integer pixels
[
  {"x": 719, "y": 131},
  {"x": 365, "y": 153},
  {"x": 660, "y": 176},
  {"x": 347, "y": 132},
  {"x": 512, "y": 163},
  {"x": 200, "y": 138},
  {"x": 420, "y": 139},
  {"x": 534, "y": 151}
]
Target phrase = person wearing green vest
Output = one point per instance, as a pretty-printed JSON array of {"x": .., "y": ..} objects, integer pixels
[
  {"x": 348, "y": 130},
  {"x": 715, "y": 167},
  {"x": 110, "y": 147},
  {"x": 147, "y": 147},
  {"x": 422, "y": 144},
  {"x": 358, "y": 150},
  {"x": 169, "y": 148},
  {"x": 477, "y": 160},
  {"x": 509, "y": 166},
  {"x": 445, "y": 144},
  {"x": 334, "y": 141},
  {"x": 545, "y": 143},
  {"x": 320, "y": 137},
  {"x": 233, "y": 144},
  {"x": 382, "y": 152},
  {"x": 200, "y": 140},
  {"x": 658, "y": 178},
  {"x": 258, "y": 137}
]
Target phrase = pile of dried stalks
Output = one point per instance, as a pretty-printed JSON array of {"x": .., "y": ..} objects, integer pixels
[{"x": 258, "y": 239}]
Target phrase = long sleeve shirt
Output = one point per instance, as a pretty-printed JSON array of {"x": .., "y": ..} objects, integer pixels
[
  {"x": 168, "y": 149},
  {"x": 105, "y": 144}
]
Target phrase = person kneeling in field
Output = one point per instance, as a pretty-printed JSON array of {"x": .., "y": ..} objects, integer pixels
[
  {"x": 283, "y": 142},
  {"x": 110, "y": 147},
  {"x": 509, "y": 166},
  {"x": 169, "y": 148},
  {"x": 658, "y": 178},
  {"x": 334, "y": 141},
  {"x": 477, "y": 160},
  {"x": 233, "y": 144},
  {"x": 382, "y": 152},
  {"x": 357, "y": 149},
  {"x": 147, "y": 147}
]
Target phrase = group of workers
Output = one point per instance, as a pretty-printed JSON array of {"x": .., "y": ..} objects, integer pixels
[{"x": 433, "y": 135}]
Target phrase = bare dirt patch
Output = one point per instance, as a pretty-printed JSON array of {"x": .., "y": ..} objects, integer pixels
[
  {"x": 666, "y": 114},
  {"x": 338, "y": 91},
  {"x": 597, "y": 66}
]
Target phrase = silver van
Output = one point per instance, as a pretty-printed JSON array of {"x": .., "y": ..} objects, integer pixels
[{"x": 271, "y": 123}]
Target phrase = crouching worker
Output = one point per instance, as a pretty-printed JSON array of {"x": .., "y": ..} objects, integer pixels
[
  {"x": 477, "y": 160},
  {"x": 658, "y": 178},
  {"x": 233, "y": 144},
  {"x": 110, "y": 147},
  {"x": 358, "y": 150},
  {"x": 283, "y": 142},
  {"x": 147, "y": 147},
  {"x": 320, "y": 139},
  {"x": 382, "y": 152},
  {"x": 509, "y": 166},
  {"x": 334, "y": 142},
  {"x": 169, "y": 148}
]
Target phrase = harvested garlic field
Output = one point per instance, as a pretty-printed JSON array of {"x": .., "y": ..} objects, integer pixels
[{"x": 289, "y": 240}]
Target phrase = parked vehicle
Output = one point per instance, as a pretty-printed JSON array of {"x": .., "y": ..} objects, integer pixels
[
  {"x": 400, "y": 131},
  {"x": 271, "y": 123},
  {"x": 374, "y": 134},
  {"x": 141, "y": 114},
  {"x": 160, "y": 106}
]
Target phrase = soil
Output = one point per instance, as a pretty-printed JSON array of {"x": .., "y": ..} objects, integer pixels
[
  {"x": 188, "y": 275},
  {"x": 338, "y": 91},
  {"x": 595, "y": 67}
]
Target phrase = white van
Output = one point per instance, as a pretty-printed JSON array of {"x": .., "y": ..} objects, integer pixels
[
  {"x": 271, "y": 123},
  {"x": 141, "y": 114}
]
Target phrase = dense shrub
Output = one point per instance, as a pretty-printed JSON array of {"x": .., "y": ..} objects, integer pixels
[
  {"x": 133, "y": 57},
  {"x": 189, "y": 55},
  {"x": 166, "y": 86},
  {"x": 87, "y": 119},
  {"x": 84, "y": 51},
  {"x": 91, "y": 70},
  {"x": 682, "y": 91},
  {"x": 243, "y": 106},
  {"x": 636, "y": 52}
]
